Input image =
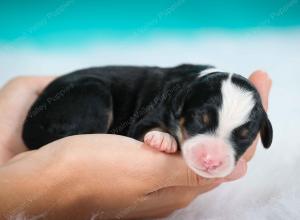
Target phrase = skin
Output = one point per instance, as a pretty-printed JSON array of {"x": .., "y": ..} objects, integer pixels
[{"x": 94, "y": 176}]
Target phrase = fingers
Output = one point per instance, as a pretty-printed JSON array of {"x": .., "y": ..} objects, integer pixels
[
  {"x": 173, "y": 171},
  {"x": 41, "y": 82},
  {"x": 248, "y": 155},
  {"x": 27, "y": 87},
  {"x": 263, "y": 84},
  {"x": 33, "y": 83},
  {"x": 170, "y": 199}
]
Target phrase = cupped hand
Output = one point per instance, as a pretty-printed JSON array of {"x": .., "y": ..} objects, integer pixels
[
  {"x": 108, "y": 176},
  {"x": 16, "y": 97}
]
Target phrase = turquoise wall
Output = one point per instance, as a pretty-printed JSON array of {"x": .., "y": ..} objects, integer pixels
[{"x": 76, "y": 20}]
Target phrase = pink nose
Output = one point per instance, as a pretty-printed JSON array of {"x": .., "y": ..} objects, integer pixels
[{"x": 210, "y": 163}]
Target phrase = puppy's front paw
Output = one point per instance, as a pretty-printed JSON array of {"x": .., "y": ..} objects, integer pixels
[{"x": 161, "y": 141}]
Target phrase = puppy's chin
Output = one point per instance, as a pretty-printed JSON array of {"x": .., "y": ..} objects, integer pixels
[
  {"x": 209, "y": 174},
  {"x": 211, "y": 148}
]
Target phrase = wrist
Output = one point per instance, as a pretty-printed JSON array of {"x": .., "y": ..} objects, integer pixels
[{"x": 38, "y": 184}]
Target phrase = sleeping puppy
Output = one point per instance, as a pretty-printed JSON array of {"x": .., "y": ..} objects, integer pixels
[{"x": 211, "y": 116}]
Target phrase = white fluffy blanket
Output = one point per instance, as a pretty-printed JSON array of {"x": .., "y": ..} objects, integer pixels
[{"x": 271, "y": 189}]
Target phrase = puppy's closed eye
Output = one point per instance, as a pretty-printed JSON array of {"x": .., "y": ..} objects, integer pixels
[
  {"x": 243, "y": 133},
  {"x": 205, "y": 118}
]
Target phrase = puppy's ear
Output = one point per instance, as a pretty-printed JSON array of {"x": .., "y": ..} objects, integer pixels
[
  {"x": 178, "y": 101},
  {"x": 266, "y": 131}
]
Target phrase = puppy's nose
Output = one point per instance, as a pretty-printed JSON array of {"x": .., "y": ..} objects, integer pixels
[{"x": 209, "y": 162}]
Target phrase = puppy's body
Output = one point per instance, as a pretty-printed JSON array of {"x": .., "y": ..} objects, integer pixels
[
  {"x": 132, "y": 101},
  {"x": 121, "y": 100}
]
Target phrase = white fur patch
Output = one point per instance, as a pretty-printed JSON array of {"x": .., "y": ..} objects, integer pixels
[
  {"x": 236, "y": 107},
  {"x": 202, "y": 139},
  {"x": 208, "y": 71}
]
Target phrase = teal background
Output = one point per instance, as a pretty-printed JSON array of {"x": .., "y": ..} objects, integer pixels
[{"x": 74, "y": 21}]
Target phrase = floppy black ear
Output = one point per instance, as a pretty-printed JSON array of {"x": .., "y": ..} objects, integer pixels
[
  {"x": 266, "y": 131},
  {"x": 178, "y": 101}
]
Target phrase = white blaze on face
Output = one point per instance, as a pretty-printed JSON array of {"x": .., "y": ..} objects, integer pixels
[
  {"x": 216, "y": 147},
  {"x": 237, "y": 105}
]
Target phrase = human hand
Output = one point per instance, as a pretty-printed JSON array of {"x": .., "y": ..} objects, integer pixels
[
  {"x": 123, "y": 179},
  {"x": 105, "y": 176},
  {"x": 16, "y": 98}
]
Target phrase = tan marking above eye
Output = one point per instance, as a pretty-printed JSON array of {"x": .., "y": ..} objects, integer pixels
[
  {"x": 243, "y": 133},
  {"x": 181, "y": 130},
  {"x": 205, "y": 118},
  {"x": 181, "y": 121}
]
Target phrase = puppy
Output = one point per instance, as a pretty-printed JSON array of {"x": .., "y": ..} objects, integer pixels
[{"x": 211, "y": 116}]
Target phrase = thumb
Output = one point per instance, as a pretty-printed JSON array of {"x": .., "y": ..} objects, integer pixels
[{"x": 263, "y": 84}]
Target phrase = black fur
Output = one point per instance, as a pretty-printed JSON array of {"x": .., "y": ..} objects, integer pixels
[{"x": 130, "y": 101}]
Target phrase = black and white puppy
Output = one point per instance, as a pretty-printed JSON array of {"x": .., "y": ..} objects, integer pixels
[{"x": 210, "y": 115}]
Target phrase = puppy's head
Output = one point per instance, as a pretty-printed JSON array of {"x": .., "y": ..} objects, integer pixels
[{"x": 220, "y": 116}]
